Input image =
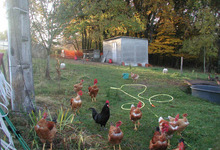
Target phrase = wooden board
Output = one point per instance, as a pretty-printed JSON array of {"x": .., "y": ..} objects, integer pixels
[{"x": 201, "y": 82}]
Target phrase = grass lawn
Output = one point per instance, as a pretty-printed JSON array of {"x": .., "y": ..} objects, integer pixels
[{"x": 202, "y": 133}]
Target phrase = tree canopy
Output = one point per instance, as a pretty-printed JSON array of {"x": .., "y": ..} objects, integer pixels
[{"x": 173, "y": 28}]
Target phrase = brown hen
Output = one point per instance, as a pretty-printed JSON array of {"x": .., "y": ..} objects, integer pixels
[
  {"x": 134, "y": 77},
  {"x": 115, "y": 135},
  {"x": 78, "y": 87},
  {"x": 93, "y": 90},
  {"x": 46, "y": 130},
  {"x": 76, "y": 102},
  {"x": 136, "y": 114},
  {"x": 171, "y": 128},
  {"x": 180, "y": 123},
  {"x": 159, "y": 140}
]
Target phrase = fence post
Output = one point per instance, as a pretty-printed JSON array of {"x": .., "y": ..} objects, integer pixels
[
  {"x": 19, "y": 53},
  {"x": 181, "y": 67}
]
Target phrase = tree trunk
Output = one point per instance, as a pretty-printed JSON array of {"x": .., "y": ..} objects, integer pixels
[
  {"x": 47, "y": 75},
  {"x": 85, "y": 39},
  {"x": 100, "y": 44},
  {"x": 83, "y": 47},
  {"x": 96, "y": 45},
  {"x": 77, "y": 44}
]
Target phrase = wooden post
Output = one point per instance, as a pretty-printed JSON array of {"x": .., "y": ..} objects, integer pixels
[
  {"x": 2, "y": 63},
  {"x": 181, "y": 67},
  {"x": 204, "y": 61},
  {"x": 19, "y": 53}
]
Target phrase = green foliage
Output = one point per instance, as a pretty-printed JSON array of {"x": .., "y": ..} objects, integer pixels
[
  {"x": 203, "y": 44},
  {"x": 206, "y": 24},
  {"x": 176, "y": 74},
  {"x": 64, "y": 118}
]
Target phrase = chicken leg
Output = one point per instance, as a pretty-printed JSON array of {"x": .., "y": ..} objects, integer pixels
[
  {"x": 135, "y": 127},
  {"x": 114, "y": 147},
  {"x": 43, "y": 146},
  {"x": 51, "y": 146},
  {"x": 119, "y": 147},
  {"x": 138, "y": 123},
  {"x": 168, "y": 143}
]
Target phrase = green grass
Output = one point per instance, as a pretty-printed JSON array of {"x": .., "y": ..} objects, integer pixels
[{"x": 202, "y": 133}]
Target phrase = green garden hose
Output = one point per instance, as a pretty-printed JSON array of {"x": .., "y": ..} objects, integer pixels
[{"x": 16, "y": 132}]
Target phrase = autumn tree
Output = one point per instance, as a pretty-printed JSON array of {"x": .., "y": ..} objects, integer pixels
[
  {"x": 165, "y": 41},
  {"x": 203, "y": 44}
]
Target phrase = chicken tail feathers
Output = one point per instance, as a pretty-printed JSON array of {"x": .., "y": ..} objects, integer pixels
[{"x": 94, "y": 112}]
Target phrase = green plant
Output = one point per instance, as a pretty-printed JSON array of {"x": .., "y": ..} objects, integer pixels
[
  {"x": 64, "y": 118},
  {"x": 176, "y": 74}
]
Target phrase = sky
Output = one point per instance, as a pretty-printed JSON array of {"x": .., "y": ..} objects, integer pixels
[{"x": 3, "y": 17}]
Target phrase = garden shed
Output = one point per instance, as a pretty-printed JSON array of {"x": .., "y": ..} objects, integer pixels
[{"x": 128, "y": 50}]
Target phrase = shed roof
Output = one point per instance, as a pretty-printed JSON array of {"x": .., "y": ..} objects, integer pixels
[{"x": 128, "y": 37}]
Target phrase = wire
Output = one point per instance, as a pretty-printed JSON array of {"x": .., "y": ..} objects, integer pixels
[
  {"x": 5, "y": 90},
  {"x": 140, "y": 97},
  {"x": 5, "y": 130},
  {"x": 6, "y": 109}
]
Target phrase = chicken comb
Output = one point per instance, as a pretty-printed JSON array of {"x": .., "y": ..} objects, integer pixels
[
  {"x": 95, "y": 81},
  {"x": 185, "y": 115},
  {"x": 165, "y": 127},
  {"x": 181, "y": 146},
  {"x": 118, "y": 123},
  {"x": 177, "y": 117},
  {"x": 80, "y": 93},
  {"x": 139, "y": 105},
  {"x": 107, "y": 101},
  {"x": 45, "y": 115}
]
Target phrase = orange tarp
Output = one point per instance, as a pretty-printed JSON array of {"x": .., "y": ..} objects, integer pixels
[{"x": 69, "y": 54}]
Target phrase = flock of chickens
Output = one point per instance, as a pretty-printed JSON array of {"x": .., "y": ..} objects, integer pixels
[{"x": 46, "y": 130}]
